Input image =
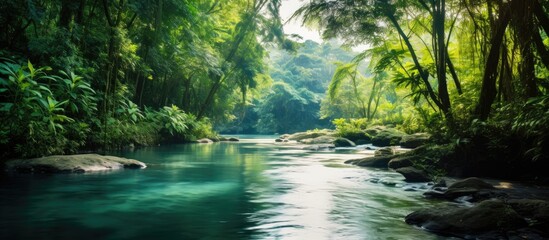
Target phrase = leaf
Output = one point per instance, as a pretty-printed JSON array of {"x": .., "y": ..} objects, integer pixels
[
  {"x": 31, "y": 68},
  {"x": 6, "y": 107}
]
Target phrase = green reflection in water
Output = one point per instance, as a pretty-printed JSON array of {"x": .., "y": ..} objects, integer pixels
[{"x": 247, "y": 190}]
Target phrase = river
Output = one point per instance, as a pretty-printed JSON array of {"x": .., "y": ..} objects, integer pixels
[{"x": 252, "y": 189}]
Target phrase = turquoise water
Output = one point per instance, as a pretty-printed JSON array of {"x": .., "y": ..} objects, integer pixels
[{"x": 253, "y": 189}]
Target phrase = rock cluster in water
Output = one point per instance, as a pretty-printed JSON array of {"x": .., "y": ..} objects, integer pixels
[
  {"x": 72, "y": 164},
  {"x": 490, "y": 213},
  {"x": 379, "y": 136}
]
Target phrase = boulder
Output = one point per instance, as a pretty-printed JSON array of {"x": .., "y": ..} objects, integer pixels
[
  {"x": 284, "y": 136},
  {"x": 357, "y": 135},
  {"x": 233, "y": 139},
  {"x": 318, "y": 147},
  {"x": 318, "y": 140},
  {"x": 476, "y": 189},
  {"x": 537, "y": 211},
  {"x": 363, "y": 141},
  {"x": 472, "y": 182},
  {"x": 375, "y": 162},
  {"x": 374, "y": 130},
  {"x": 412, "y": 174},
  {"x": 387, "y": 137},
  {"x": 204, "y": 140},
  {"x": 386, "y": 151},
  {"x": 414, "y": 140},
  {"x": 343, "y": 142},
  {"x": 312, "y": 134},
  {"x": 279, "y": 140},
  {"x": 487, "y": 216},
  {"x": 400, "y": 162},
  {"x": 72, "y": 164}
]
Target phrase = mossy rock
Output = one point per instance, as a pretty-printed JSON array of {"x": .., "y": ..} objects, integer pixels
[
  {"x": 343, "y": 142},
  {"x": 374, "y": 130},
  {"x": 79, "y": 163},
  {"x": 319, "y": 140},
  {"x": 311, "y": 134},
  {"x": 487, "y": 216},
  {"x": 388, "y": 137},
  {"x": 375, "y": 162},
  {"x": 414, "y": 140}
]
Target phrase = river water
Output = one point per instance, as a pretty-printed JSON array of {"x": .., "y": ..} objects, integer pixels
[{"x": 252, "y": 189}]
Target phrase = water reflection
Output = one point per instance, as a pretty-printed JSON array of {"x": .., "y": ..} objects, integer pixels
[{"x": 247, "y": 190}]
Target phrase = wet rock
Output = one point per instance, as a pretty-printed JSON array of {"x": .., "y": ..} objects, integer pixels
[
  {"x": 343, "y": 142},
  {"x": 279, "y": 140},
  {"x": 487, "y": 216},
  {"x": 475, "y": 189},
  {"x": 313, "y": 134},
  {"x": 374, "y": 130},
  {"x": 204, "y": 140},
  {"x": 537, "y": 211},
  {"x": 362, "y": 141},
  {"x": 318, "y": 147},
  {"x": 412, "y": 174},
  {"x": 472, "y": 182},
  {"x": 319, "y": 140},
  {"x": 284, "y": 136},
  {"x": 386, "y": 151},
  {"x": 72, "y": 164},
  {"x": 400, "y": 162},
  {"x": 414, "y": 140},
  {"x": 233, "y": 139},
  {"x": 375, "y": 162},
  {"x": 387, "y": 137}
]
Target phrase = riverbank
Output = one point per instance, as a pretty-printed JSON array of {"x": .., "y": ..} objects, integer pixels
[{"x": 500, "y": 209}]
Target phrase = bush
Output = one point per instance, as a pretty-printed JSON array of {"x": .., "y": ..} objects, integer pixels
[{"x": 352, "y": 129}]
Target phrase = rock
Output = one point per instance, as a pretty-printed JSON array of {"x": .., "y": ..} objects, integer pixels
[
  {"x": 318, "y": 140},
  {"x": 357, "y": 135},
  {"x": 537, "y": 211},
  {"x": 387, "y": 137},
  {"x": 362, "y": 141},
  {"x": 284, "y": 136},
  {"x": 400, "y": 162},
  {"x": 386, "y": 151},
  {"x": 312, "y": 134},
  {"x": 414, "y": 140},
  {"x": 374, "y": 130},
  {"x": 318, "y": 147},
  {"x": 343, "y": 142},
  {"x": 233, "y": 139},
  {"x": 375, "y": 162},
  {"x": 279, "y": 140},
  {"x": 72, "y": 164},
  {"x": 204, "y": 140},
  {"x": 412, "y": 174},
  {"x": 473, "y": 182},
  {"x": 214, "y": 139},
  {"x": 487, "y": 216},
  {"x": 476, "y": 189}
]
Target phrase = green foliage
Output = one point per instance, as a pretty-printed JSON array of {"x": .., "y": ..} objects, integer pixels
[
  {"x": 33, "y": 122},
  {"x": 286, "y": 109},
  {"x": 352, "y": 129}
]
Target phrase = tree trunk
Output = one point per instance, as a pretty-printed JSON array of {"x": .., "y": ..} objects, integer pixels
[
  {"x": 488, "y": 90},
  {"x": 439, "y": 34}
]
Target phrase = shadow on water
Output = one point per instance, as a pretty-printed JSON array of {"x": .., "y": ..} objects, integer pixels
[{"x": 252, "y": 189}]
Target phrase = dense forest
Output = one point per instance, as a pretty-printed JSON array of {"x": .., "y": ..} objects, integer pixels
[{"x": 99, "y": 74}]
